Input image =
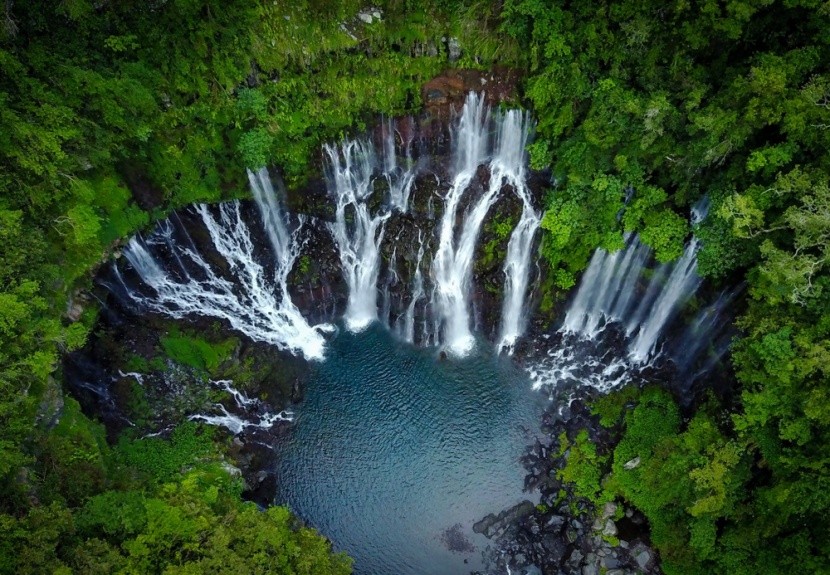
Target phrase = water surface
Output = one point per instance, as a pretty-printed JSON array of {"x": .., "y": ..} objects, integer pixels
[{"x": 396, "y": 453}]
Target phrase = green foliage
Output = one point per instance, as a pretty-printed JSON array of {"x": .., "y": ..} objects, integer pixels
[
  {"x": 578, "y": 221},
  {"x": 197, "y": 352},
  {"x": 611, "y": 408},
  {"x": 72, "y": 458},
  {"x": 583, "y": 468},
  {"x": 195, "y": 524},
  {"x": 161, "y": 459}
]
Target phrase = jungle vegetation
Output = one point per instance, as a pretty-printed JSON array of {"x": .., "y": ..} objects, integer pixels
[{"x": 113, "y": 113}]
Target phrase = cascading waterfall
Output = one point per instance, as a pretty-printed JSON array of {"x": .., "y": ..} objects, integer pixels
[
  {"x": 407, "y": 330},
  {"x": 400, "y": 179},
  {"x": 186, "y": 281},
  {"x": 450, "y": 267},
  {"x": 249, "y": 300},
  {"x": 236, "y": 424},
  {"x": 706, "y": 337},
  {"x": 607, "y": 289},
  {"x": 356, "y": 231},
  {"x": 453, "y": 261},
  {"x": 350, "y": 182},
  {"x": 391, "y": 281},
  {"x": 517, "y": 264},
  {"x": 427, "y": 296},
  {"x": 608, "y": 294},
  {"x": 682, "y": 282}
]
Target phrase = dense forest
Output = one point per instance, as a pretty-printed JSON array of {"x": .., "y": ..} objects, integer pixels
[{"x": 113, "y": 113}]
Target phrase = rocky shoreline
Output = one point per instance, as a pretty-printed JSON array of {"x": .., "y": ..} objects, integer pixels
[{"x": 565, "y": 534}]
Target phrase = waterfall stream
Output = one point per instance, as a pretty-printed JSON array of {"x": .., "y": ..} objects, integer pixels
[
  {"x": 185, "y": 282},
  {"x": 453, "y": 261},
  {"x": 518, "y": 261},
  {"x": 418, "y": 279},
  {"x": 350, "y": 179},
  {"x": 450, "y": 268}
]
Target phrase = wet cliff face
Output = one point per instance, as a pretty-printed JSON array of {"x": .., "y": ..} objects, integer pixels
[{"x": 133, "y": 375}]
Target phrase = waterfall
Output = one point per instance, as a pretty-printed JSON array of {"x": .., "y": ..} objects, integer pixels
[
  {"x": 392, "y": 280},
  {"x": 683, "y": 281},
  {"x": 357, "y": 233},
  {"x": 607, "y": 289},
  {"x": 517, "y": 265},
  {"x": 400, "y": 179},
  {"x": 451, "y": 265},
  {"x": 236, "y": 424},
  {"x": 407, "y": 286},
  {"x": 707, "y": 334},
  {"x": 614, "y": 290},
  {"x": 408, "y": 329},
  {"x": 244, "y": 295}
]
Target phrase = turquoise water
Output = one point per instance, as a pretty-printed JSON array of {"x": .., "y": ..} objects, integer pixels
[{"x": 393, "y": 446}]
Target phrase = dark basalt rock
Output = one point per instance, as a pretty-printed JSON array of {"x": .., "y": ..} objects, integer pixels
[{"x": 567, "y": 536}]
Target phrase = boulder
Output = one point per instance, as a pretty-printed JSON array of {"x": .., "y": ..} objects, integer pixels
[
  {"x": 631, "y": 464},
  {"x": 575, "y": 559},
  {"x": 643, "y": 558},
  {"x": 609, "y": 509},
  {"x": 555, "y": 523}
]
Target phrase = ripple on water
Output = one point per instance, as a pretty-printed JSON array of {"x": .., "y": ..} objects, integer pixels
[{"x": 395, "y": 454}]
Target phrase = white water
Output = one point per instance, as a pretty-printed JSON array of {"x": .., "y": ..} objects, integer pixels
[
  {"x": 251, "y": 301},
  {"x": 408, "y": 329},
  {"x": 357, "y": 233},
  {"x": 515, "y": 127},
  {"x": 607, "y": 289},
  {"x": 612, "y": 291},
  {"x": 237, "y": 424},
  {"x": 683, "y": 281},
  {"x": 400, "y": 179},
  {"x": 451, "y": 265}
]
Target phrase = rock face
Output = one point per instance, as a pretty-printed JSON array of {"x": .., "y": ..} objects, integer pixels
[
  {"x": 567, "y": 536},
  {"x": 446, "y": 93},
  {"x": 122, "y": 376}
]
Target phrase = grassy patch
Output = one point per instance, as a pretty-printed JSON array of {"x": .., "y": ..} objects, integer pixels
[
  {"x": 162, "y": 459},
  {"x": 196, "y": 352}
]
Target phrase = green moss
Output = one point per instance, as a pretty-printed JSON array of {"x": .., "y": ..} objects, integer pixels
[
  {"x": 611, "y": 407},
  {"x": 304, "y": 264},
  {"x": 196, "y": 352},
  {"x": 161, "y": 459},
  {"x": 137, "y": 363}
]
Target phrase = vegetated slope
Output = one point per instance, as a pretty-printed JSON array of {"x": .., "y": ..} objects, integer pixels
[
  {"x": 111, "y": 114},
  {"x": 658, "y": 105}
]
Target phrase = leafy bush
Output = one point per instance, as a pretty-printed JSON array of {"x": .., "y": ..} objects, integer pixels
[{"x": 197, "y": 352}]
